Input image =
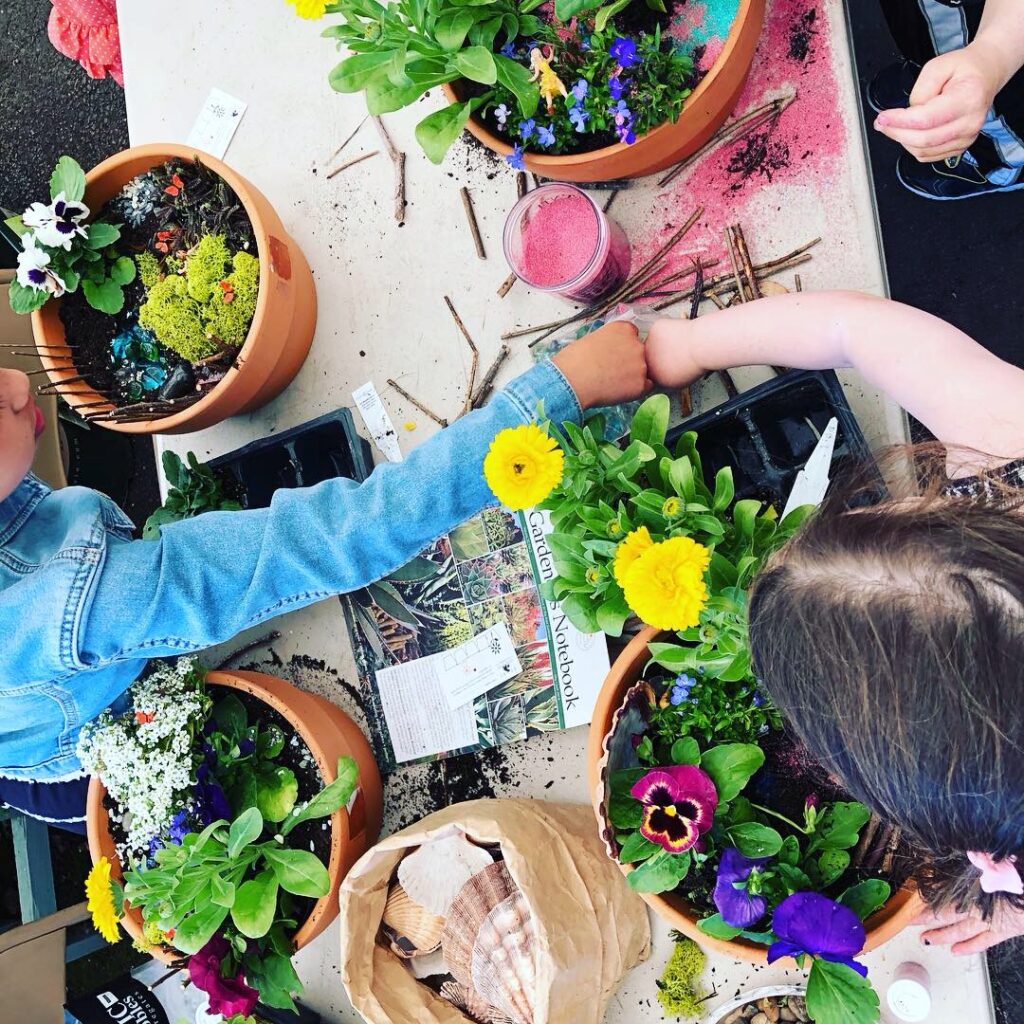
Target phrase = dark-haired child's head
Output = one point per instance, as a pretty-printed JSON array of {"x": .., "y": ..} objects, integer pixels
[
  {"x": 892, "y": 638},
  {"x": 21, "y": 423}
]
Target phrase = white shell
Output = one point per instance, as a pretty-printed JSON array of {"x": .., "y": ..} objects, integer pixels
[
  {"x": 476, "y": 899},
  {"x": 504, "y": 963},
  {"x": 471, "y": 1004},
  {"x": 433, "y": 874},
  {"x": 428, "y": 965}
]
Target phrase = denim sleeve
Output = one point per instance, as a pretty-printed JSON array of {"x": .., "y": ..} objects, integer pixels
[{"x": 210, "y": 577}]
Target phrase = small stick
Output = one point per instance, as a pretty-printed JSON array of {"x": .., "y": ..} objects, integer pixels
[
  {"x": 439, "y": 420},
  {"x": 472, "y": 348},
  {"x": 506, "y": 285},
  {"x": 352, "y": 162},
  {"x": 348, "y": 138},
  {"x": 536, "y": 180},
  {"x": 734, "y": 260},
  {"x": 890, "y": 850},
  {"x": 216, "y": 357},
  {"x": 252, "y": 645},
  {"x": 26, "y": 345},
  {"x": 467, "y": 205},
  {"x": 57, "y": 385},
  {"x": 878, "y": 847},
  {"x": 35, "y": 373},
  {"x": 798, "y": 283},
  {"x": 164, "y": 977},
  {"x": 487, "y": 383},
  {"x": 866, "y": 838},
  {"x": 716, "y": 300},
  {"x": 520, "y": 184},
  {"x": 398, "y": 159},
  {"x": 611, "y": 199},
  {"x": 744, "y": 254}
]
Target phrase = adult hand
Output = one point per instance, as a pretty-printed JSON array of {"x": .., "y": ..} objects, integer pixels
[
  {"x": 948, "y": 105},
  {"x": 670, "y": 360},
  {"x": 606, "y": 366},
  {"x": 968, "y": 933}
]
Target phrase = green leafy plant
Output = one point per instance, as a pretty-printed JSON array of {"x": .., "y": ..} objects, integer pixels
[
  {"x": 62, "y": 253},
  {"x": 194, "y": 489},
  {"x": 566, "y": 9}
]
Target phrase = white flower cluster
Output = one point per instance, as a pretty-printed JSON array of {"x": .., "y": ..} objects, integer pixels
[{"x": 146, "y": 756}]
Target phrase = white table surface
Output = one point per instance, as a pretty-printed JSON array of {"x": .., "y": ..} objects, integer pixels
[{"x": 380, "y": 289}]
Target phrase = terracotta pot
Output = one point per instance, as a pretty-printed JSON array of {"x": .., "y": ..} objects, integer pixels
[
  {"x": 282, "y": 327},
  {"x": 704, "y": 111},
  {"x": 628, "y": 669},
  {"x": 329, "y": 733}
]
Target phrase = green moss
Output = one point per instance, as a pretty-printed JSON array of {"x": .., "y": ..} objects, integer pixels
[
  {"x": 176, "y": 319},
  {"x": 230, "y": 321},
  {"x": 677, "y": 991},
  {"x": 207, "y": 264},
  {"x": 149, "y": 269}
]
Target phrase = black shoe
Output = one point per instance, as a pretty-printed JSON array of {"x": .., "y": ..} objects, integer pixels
[
  {"x": 891, "y": 87},
  {"x": 946, "y": 180}
]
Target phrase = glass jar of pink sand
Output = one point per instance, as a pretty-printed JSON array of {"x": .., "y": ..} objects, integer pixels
[{"x": 557, "y": 239}]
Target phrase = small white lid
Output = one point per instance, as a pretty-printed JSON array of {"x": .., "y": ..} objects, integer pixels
[{"x": 909, "y": 1000}]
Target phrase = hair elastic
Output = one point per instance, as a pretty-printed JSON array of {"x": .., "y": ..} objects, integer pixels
[{"x": 997, "y": 875}]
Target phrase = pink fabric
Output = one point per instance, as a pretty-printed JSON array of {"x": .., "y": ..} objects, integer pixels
[
  {"x": 86, "y": 31},
  {"x": 997, "y": 875}
]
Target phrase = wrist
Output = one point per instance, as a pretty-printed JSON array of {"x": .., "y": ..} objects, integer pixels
[
  {"x": 996, "y": 61},
  {"x": 567, "y": 364}
]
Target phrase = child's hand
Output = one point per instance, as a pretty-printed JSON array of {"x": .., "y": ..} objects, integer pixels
[
  {"x": 670, "y": 361},
  {"x": 607, "y": 366},
  {"x": 968, "y": 933}
]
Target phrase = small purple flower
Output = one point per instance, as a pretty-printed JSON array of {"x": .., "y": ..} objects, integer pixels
[
  {"x": 679, "y": 806},
  {"x": 681, "y": 689},
  {"x": 527, "y": 128},
  {"x": 758, "y": 700},
  {"x": 626, "y": 134},
  {"x": 579, "y": 118},
  {"x": 545, "y": 136},
  {"x": 211, "y": 803},
  {"x": 735, "y": 903},
  {"x": 515, "y": 158},
  {"x": 621, "y": 112},
  {"x": 246, "y": 747},
  {"x": 812, "y": 801},
  {"x": 509, "y": 49},
  {"x": 624, "y": 51},
  {"x": 501, "y": 113},
  {"x": 178, "y": 828},
  {"x": 617, "y": 87},
  {"x": 579, "y": 89},
  {"x": 812, "y": 924}
]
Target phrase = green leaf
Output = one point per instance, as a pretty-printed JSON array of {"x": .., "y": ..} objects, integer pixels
[
  {"x": 516, "y": 79},
  {"x": 437, "y": 131},
  {"x": 744, "y": 515},
  {"x": 255, "y": 905},
  {"x": 837, "y": 994},
  {"x": 650, "y": 421},
  {"x": 69, "y": 178},
  {"x": 245, "y": 829},
  {"x": 839, "y": 827},
  {"x": 581, "y": 612},
  {"x": 122, "y": 271},
  {"x": 383, "y": 96},
  {"x": 415, "y": 571},
  {"x": 299, "y": 872},
  {"x": 333, "y": 796},
  {"x": 686, "y": 751},
  {"x": 107, "y": 297},
  {"x": 566, "y": 9},
  {"x": 356, "y": 72},
  {"x": 664, "y": 871},
  {"x": 17, "y": 225},
  {"x": 612, "y": 615},
  {"x": 716, "y": 927},
  {"x": 451, "y": 28},
  {"x": 790, "y": 852},
  {"x": 72, "y": 278},
  {"x": 730, "y": 766},
  {"x": 725, "y": 490},
  {"x": 276, "y": 792},
  {"x": 636, "y": 848},
  {"x": 197, "y": 929},
  {"x": 624, "y": 811},
  {"x": 477, "y": 64},
  {"x": 24, "y": 299},
  {"x": 755, "y": 840},
  {"x": 866, "y": 897},
  {"x": 101, "y": 235},
  {"x": 832, "y": 864},
  {"x": 221, "y": 892},
  {"x": 229, "y": 713},
  {"x": 605, "y": 13}
]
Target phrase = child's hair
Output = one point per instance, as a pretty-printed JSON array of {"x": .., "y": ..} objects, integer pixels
[{"x": 892, "y": 638}]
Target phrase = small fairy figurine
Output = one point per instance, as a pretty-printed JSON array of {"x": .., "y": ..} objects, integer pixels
[{"x": 550, "y": 84}]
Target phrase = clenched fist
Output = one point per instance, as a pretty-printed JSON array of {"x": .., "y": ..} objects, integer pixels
[{"x": 607, "y": 366}]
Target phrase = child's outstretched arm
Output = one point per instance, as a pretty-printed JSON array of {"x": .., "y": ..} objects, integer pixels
[
  {"x": 210, "y": 577},
  {"x": 965, "y": 395}
]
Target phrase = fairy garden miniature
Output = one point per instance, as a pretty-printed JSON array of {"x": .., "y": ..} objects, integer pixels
[{"x": 159, "y": 287}]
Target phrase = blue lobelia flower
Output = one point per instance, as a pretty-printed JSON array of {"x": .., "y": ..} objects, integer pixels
[
  {"x": 515, "y": 158},
  {"x": 735, "y": 903},
  {"x": 527, "y": 128},
  {"x": 758, "y": 700},
  {"x": 617, "y": 87},
  {"x": 681, "y": 689},
  {"x": 545, "y": 136},
  {"x": 501, "y": 113},
  {"x": 812, "y": 924},
  {"x": 579, "y": 118},
  {"x": 178, "y": 828},
  {"x": 509, "y": 49},
  {"x": 579, "y": 89},
  {"x": 624, "y": 51}
]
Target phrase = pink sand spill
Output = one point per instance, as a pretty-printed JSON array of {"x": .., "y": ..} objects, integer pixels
[{"x": 559, "y": 240}]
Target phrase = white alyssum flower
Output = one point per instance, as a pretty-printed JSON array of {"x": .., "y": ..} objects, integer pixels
[
  {"x": 58, "y": 223},
  {"x": 34, "y": 270}
]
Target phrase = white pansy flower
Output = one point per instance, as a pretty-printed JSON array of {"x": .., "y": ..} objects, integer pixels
[
  {"x": 33, "y": 268},
  {"x": 57, "y": 224}
]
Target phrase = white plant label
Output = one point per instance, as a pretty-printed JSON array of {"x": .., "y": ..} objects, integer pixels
[
  {"x": 377, "y": 421},
  {"x": 216, "y": 124}
]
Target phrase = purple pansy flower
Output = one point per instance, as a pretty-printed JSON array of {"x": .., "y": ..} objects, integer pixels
[
  {"x": 527, "y": 128},
  {"x": 501, "y": 113},
  {"x": 681, "y": 689},
  {"x": 579, "y": 89},
  {"x": 679, "y": 806},
  {"x": 812, "y": 924},
  {"x": 579, "y": 118},
  {"x": 624, "y": 51},
  {"x": 515, "y": 158},
  {"x": 737, "y": 906},
  {"x": 545, "y": 136}
]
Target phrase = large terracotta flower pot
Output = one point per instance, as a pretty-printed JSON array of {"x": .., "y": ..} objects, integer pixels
[
  {"x": 705, "y": 109},
  {"x": 881, "y": 926},
  {"x": 329, "y": 733},
  {"x": 282, "y": 327}
]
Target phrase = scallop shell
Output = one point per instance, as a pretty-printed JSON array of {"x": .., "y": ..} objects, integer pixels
[
  {"x": 476, "y": 899},
  {"x": 428, "y": 965},
  {"x": 433, "y": 874},
  {"x": 472, "y": 1004},
  {"x": 503, "y": 966},
  {"x": 411, "y": 929}
]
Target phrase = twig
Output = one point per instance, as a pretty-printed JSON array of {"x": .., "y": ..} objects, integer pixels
[
  {"x": 698, "y": 288},
  {"x": 352, "y": 162},
  {"x": 536, "y": 180},
  {"x": 220, "y": 354},
  {"x": 716, "y": 300},
  {"x": 890, "y": 850},
  {"x": 439, "y": 420},
  {"x": 467, "y": 205},
  {"x": 57, "y": 385},
  {"x": 744, "y": 255},
  {"x": 798, "y": 283},
  {"x": 520, "y": 184},
  {"x": 878, "y": 847},
  {"x": 649, "y": 290},
  {"x": 164, "y": 977},
  {"x": 735, "y": 129},
  {"x": 866, "y": 838},
  {"x": 472, "y": 348},
  {"x": 252, "y": 645},
  {"x": 506, "y": 285},
  {"x": 35, "y": 373},
  {"x": 25, "y": 345},
  {"x": 611, "y": 199},
  {"x": 398, "y": 159},
  {"x": 348, "y": 138},
  {"x": 487, "y": 383},
  {"x": 146, "y": 410},
  {"x": 734, "y": 260}
]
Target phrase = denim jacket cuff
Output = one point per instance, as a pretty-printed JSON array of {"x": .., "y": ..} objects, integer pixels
[{"x": 544, "y": 387}]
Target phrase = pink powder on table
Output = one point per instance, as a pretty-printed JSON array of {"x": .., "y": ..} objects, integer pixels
[{"x": 559, "y": 240}]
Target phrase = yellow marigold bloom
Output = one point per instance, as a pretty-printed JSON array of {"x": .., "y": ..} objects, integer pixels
[
  {"x": 670, "y": 507},
  {"x": 523, "y": 466},
  {"x": 629, "y": 550},
  {"x": 100, "y": 901},
  {"x": 309, "y": 8},
  {"x": 665, "y": 585}
]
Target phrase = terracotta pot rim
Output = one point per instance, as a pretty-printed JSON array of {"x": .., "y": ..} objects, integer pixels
[
  {"x": 340, "y": 832},
  {"x": 160, "y": 153},
  {"x": 541, "y": 160},
  {"x": 900, "y": 910}
]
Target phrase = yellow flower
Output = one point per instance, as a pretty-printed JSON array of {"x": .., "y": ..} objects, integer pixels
[
  {"x": 100, "y": 901},
  {"x": 665, "y": 585},
  {"x": 523, "y": 466},
  {"x": 309, "y": 8},
  {"x": 593, "y": 576},
  {"x": 629, "y": 550},
  {"x": 670, "y": 508},
  {"x": 614, "y": 528}
]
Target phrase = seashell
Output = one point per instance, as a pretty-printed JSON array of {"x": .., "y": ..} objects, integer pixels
[
  {"x": 433, "y": 874},
  {"x": 476, "y": 899},
  {"x": 428, "y": 965},
  {"x": 772, "y": 288},
  {"x": 503, "y": 966},
  {"x": 472, "y": 1004},
  {"x": 411, "y": 929}
]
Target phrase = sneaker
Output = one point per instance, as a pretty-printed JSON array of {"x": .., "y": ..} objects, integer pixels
[
  {"x": 891, "y": 87},
  {"x": 955, "y": 178}
]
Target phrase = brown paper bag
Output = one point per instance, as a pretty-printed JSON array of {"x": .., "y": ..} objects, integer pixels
[{"x": 591, "y": 928}]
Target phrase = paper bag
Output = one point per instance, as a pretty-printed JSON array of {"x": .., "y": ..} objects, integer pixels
[{"x": 591, "y": 928}]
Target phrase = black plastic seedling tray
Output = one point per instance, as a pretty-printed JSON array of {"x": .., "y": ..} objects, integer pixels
[
  {"x": 308, "y": 454},
  {"x": 768, "y": 433}
]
